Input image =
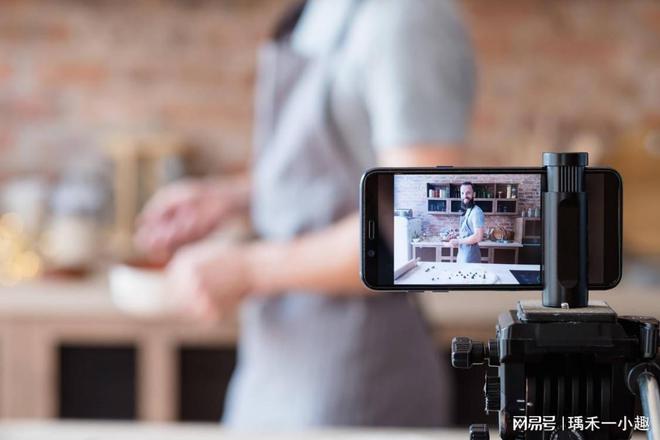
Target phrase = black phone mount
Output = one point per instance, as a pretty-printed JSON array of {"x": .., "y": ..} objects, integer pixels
[{"x": 566, "y": 367}]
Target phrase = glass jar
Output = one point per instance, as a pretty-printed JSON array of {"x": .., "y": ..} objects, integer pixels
[{"x": 72, "y": 234}]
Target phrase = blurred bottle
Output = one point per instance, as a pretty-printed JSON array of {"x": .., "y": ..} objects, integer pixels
[
  {"x": 142, "y": 163},
  {"x": 27, "y": 198},
  {"x": 71, "y": 240}
]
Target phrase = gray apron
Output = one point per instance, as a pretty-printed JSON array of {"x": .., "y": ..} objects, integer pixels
[
  {"x": 307, "y": 359},
  {"x": 467, "y": 253}
]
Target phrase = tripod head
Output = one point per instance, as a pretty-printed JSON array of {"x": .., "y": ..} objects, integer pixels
[{"x": 565, "y": 367}]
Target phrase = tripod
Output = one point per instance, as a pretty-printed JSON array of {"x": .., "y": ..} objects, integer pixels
[
  {"x": 565, "y": 367},
  {"x": 557, "y": 366}
]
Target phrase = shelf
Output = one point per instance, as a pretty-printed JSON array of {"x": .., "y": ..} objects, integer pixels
[
  {"x": 528, "y": 228},
  {"x": 501, "y": 214},
  {"x": 451, "y": 205},
  {"x": 476, "y": 199},
  {"x": 437, "y": 205},
  {"x": 440, "y": 190}
]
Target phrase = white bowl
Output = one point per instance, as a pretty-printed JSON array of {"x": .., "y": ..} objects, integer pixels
[{"x": 140, "y": 291}]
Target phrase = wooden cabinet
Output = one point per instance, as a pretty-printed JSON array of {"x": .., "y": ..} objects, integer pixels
[
  {"x": 490, "y": 252},
  {"x": 492, "y": 198},
  {"x": 528, "y": 230},
  {"x": 68, "y": 352}
]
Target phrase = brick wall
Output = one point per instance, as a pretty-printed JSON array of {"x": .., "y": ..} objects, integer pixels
[
  {"x": 74, "y": 73},
  {"x": 552, "y": 74},
  {"x": 563, "y": 74},
  {"x": 410, "y": 192}
]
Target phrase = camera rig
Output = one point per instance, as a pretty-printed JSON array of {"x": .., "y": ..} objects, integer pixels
[{"x": 571, "y": 366}]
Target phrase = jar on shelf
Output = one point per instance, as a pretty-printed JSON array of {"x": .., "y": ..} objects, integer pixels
[{"x": 72, "y": 234}]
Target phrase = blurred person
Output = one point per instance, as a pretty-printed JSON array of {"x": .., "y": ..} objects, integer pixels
[
  {"x": 344, "y": 85},
  {"x": 471, "y": 230}
]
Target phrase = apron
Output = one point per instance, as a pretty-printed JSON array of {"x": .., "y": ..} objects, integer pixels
[
  {"x": 307, "y": 359},
  {"x": 467, "y": 253}
]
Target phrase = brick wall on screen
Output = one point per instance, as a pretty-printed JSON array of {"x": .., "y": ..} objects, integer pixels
[
  {"x": 410, "y": 192},
  {"x": 552, "y": 74}
]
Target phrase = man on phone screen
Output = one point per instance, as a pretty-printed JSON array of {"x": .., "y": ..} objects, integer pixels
[{"x": 471, "y": 229}]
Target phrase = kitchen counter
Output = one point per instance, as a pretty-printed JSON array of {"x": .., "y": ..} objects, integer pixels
[
  {"x": 463, "y": 273},
  {"x": 45, "y": 302},
  {"x": 39, "y": 316},
  {"x": 77, "y": 430},
  {"x": 36, "y": 317},
  {"x": 483, "y": 243},
  {"x": 95, "y": 430},
  {"x": 491, "y": 245}
]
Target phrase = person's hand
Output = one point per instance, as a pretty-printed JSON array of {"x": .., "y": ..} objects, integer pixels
[
  {"x": 454, "y": 242},
  {"x": 209, "y": 279},
  {"x": 186, "y": 211}
]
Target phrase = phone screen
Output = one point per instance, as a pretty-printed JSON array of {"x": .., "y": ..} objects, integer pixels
[
  {"x": 467, "y": 229},
  {"x": 475, "y": 229}
]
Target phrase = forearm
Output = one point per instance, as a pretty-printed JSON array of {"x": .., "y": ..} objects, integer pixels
[{"x": 326, "y": 261}]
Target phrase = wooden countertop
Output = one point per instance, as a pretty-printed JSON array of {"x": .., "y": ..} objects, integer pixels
[
  {"x": 87, "y": 304},
  {"x": 478, "y": 310},
  {"x": 35, "y": 317},
  {"x": 75, "y": 430},
  {"x": 483, "y": 243},
  {"x": 58, "y": 297}
]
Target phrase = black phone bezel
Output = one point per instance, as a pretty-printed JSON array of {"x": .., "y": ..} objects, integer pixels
[{"x": 373, "y": 250}]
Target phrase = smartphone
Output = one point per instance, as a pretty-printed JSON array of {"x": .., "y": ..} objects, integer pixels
[{"x": 411, "y": 218}]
